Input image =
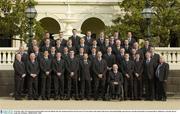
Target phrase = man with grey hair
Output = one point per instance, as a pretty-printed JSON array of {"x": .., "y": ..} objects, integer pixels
[
  {"x": 33, "y": 71},
  {"x": 162, "y": 73},
  {"x": 19, "y": 74}
]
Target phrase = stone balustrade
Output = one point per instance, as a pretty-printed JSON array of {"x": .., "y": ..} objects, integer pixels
[{"x": 171, "y": 55}]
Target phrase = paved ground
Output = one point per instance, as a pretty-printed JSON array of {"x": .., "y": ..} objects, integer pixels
[{"x": 7, "y": 103}]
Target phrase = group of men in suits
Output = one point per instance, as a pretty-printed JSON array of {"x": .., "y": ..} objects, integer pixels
[{"x": 90, "y": 68}]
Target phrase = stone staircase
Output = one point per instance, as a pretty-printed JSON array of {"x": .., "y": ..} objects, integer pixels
[{"x": 7, "y": 83}]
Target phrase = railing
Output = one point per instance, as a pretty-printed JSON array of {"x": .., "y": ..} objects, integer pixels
[{"x": 171, "y": 55}]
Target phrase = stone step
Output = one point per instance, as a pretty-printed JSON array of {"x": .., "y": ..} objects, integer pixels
[{"x": 174, "y": 73}]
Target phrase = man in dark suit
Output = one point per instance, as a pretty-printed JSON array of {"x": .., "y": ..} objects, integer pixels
[
  {"x": 130, "y": 39},
  {"x": 126, "y": 46},
  {"x": 46, "y": 36},
  {"x": 70, "y": 46},
  {"x": 110, "y": 60},
  {"x": 19, "y": 74},
  {"x": 116, "y": 48},
  {"x": 75, "y": 38},
  {"x": 149, "y": 72},
  {"x": 33, "y": 72},
  {"x": 24, "y": 59},
  {"x": 116, "y": 82},
  {"x": 30, "y": 47},
  {"x": 58, "y": 69},
  {"x": 46, "y": 47},
  {"x": 162, "y": 73},
  {"x": 60, "y": 46},
  {"x": 138, "y": 74},
  {"x": 94, "y": 45},
  {"x": 83, "y": 45},
  {"x": 61, "y": 39},
  {"x": 45, "y": 65},
  {"x": 88, "y": 38},
  {"x": 72, "y": 67},
  {"x": 146, "y": 47},
  {"x": 128, "y": 70},
  {"x": 101, "y": 41},
  {"x": 39, "y": 56},
  {"x": 85, "y": 77},
  {"x": 99, "y": 69}
]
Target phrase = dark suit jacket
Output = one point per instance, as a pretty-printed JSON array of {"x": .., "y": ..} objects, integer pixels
[
  {"x": 138, "y": 67},
  {"x": 132, "y": 42},
  {"x": 164, "y": 72},
  {"x": 32, "y": 68},
  {"x": 110, "y": 59},
  {"x": 58, "y": 66},
  {"x": 149, "y": 70},
  {"x": 44, "y": 48},
  {"x": 116, "y": 78},
  {"x": 155, "y": 59},
  {"x": 86, "y": 48},
  {"x": 45, "y": 66},
  {"x": 88, "y": 43},
  {"x": 75, "y": 41},
  {"x": 19, "y": 69},
  {"x": 128, "y": 68},
  {"x": 100, "y": 68},
  {"x": 85, "y": 70},
  {"x": 59, "y": 49},
  {"x": 99, "y": 43},
  {"x": 115, "y": 50},
  {"x": 72, "y": 65}
]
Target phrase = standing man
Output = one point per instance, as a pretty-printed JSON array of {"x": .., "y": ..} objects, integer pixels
[
  {"x": 58, "y": 69},
  {"x": 128, "y": 70},
  {"x": 99, "y": 69},
  {"x": 149, "y": 72},
  {"x": 85, "y": 77},
  {"x": 19, "y": 74},
  {"x": 110, "y": 60},
  {"x": 72, "y": 67},
  {"x": 138, "y": 75},
  {"x": 88, "y": 38},
  {"x": 33, "y": 72},
  {"x": 162, "y": 73},
  {"x": 130, "y": 39},
  {"x": 45, "y": 65},
  {"x": 75, "y": 38}
]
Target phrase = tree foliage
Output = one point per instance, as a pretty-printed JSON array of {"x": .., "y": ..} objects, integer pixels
[
  {"x": 13, "y": 20},
  {"x": 165, "y": 20}
]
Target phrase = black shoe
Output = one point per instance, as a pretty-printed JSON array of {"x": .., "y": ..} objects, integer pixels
[
  {"x": 18, "y": 98},
  {"x": 48, "y": 98},
  {"x": 56, "y": 98},
  {"x": 43, "y": 98},
  {"x": 29, "y": 98},
  {"x": 61, "y": 98}
]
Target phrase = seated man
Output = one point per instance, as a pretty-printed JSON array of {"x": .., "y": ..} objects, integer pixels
[{"x": 116, "y": 80}]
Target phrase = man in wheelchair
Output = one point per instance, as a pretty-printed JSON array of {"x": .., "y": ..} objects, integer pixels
[{"x": 116, "y": 83}]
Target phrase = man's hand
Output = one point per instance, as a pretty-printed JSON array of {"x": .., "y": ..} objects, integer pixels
[
  {"x": 23, "y": 75},
  {"x": 59, "y": 74},
  {"x": 115, "y": 83},
  {"x": 72, "y": 74},
  {"x": 137, "y": 75},
  {"x": 100, "y": 75},
  {"x": 127, "y": 75},
  {"x": 47, "y": 73}
]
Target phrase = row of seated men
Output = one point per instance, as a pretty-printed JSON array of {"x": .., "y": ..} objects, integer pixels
[{"x": 103, "y": 69}]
